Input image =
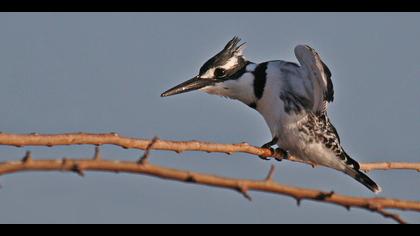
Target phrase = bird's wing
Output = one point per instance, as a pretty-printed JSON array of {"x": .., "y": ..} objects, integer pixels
[{"x": 320, "y": 76}]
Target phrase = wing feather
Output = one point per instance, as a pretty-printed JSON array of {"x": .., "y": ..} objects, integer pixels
[{"x": 319, "y": 74}]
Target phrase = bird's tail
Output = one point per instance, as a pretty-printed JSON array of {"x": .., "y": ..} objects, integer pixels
[
  {"x": 353, "y": 170},
  {"x": 364, "y": 179}
]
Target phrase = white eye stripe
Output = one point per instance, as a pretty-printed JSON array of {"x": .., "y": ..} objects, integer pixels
[
  {"x": 232, "y": 62},
  {"x": 209, "y": 74}
]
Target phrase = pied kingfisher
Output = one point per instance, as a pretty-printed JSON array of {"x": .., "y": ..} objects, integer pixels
[{"x": 292, "y": 99}]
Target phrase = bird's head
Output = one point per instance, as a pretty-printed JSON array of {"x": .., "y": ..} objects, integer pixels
[{"x": 218, "y": 69}]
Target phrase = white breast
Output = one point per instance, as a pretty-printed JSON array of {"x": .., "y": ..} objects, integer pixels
[{"x": 271, "y": 106}]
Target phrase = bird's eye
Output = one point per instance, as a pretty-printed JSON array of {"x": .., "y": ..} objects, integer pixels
[{"x": 220, "y": 72}]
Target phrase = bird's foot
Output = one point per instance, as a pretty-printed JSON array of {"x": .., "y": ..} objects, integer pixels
[
  {"x": 265, "y": 158},
  {"x": 268, "y": 146},
  {"x": 280, "y": 154}
]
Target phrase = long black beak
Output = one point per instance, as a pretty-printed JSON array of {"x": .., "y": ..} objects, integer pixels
[{"x": 190, "y": 85}]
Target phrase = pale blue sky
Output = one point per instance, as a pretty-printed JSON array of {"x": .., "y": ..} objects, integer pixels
[{"x": 103, "y": 72}]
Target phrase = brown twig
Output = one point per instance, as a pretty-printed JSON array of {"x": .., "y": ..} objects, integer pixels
[
  {"x": 270, "y": 174},
  {"x": 377, "y": 205},
  {"x": 27, "y": 158},
  {"x": 397, "y": 218},
  {"x": 97, "y": 155},
  {"x": 21, "y": 140},
  {"x": 144, "y": 158},
  {"x": 390, "y": 166}
]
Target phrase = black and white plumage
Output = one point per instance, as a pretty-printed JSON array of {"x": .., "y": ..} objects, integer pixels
[{"x": 292, "y": 98}]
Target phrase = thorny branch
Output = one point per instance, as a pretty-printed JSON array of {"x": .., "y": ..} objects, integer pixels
[
  {"x": 22, "y": 140},
  {"x": 243, "y": 186}
]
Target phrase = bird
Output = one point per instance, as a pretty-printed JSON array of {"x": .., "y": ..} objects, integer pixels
[{"x": 292, "y": 98}]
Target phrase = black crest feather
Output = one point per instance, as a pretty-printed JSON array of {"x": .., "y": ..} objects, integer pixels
[{"x": 232, "y": 48}]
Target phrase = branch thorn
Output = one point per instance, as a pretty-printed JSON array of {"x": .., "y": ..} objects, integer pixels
[
  {"x": 244, "y": 191},
  {"x": 191, "y": 178},
  {"x": 323, "y": 196},
  {"x": 97, "y": 155},
  {"x": 78, "y": 170},
  {"x": 298, "y": 201},
  {"x": 27, "y": 158},
  {"x": 270, "y": 174},
  {"x": 114, "y": 134}
]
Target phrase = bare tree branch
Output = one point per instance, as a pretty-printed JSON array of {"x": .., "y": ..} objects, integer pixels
[
  {"x": 390, "y": 166},
  {"x": 21, "y": 140},
  {"x": 243, "y": 186},
  {"x": 79, "y": 166}
]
